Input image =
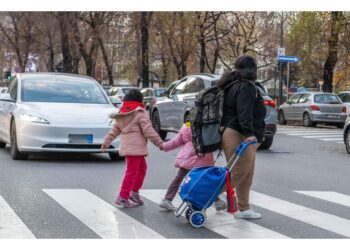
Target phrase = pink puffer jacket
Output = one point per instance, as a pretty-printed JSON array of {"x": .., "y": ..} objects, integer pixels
[
  {"x": 135, "y": 128},
  {"x": 187, "y": 157}
]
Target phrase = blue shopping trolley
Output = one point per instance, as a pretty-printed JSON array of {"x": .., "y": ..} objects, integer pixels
[{"x": 201, "y": 187}]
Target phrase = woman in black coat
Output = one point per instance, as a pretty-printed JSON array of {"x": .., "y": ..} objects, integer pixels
[{"x": 243, "y": 120}]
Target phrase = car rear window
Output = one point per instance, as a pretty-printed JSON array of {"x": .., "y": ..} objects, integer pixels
[
  {"x": 345, "y": 97},
  {"x": 327, "y": 99}
]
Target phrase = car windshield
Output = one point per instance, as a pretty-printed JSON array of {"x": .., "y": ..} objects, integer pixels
[
  {"x": 159, "y": 92},
  {"x": 327, "y": 99},
  {"x": 53, "y": 89}
]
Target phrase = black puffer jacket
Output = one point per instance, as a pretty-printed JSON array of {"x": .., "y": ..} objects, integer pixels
[{"x": 244, "y": 109}]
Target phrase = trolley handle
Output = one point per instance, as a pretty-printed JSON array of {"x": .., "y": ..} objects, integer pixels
[{"x": 243, "y": 146}]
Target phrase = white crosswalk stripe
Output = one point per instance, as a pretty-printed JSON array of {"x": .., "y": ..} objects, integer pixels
[
  {"x": 221, "y": 222},
  {"x": 101, "y": 217},
  {"x": 334, "y": 197},
  {"x": 11, "y": 226},
  {"x": 329, "y": 135},
  {"x": 311, "y": 216},
  {"x": 109, "y": 222}
]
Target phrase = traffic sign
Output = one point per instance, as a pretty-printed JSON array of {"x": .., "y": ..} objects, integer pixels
[
  {"x": 281, "y": 52},
  {"x": 288, "y": 59}
]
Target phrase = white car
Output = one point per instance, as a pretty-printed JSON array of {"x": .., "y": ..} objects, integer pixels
[
  {"x": 55, "y": 112},
  {"x": 120, "y": 91}
]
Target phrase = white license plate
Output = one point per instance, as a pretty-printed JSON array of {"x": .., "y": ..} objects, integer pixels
[
  {"x": 333, "y": 116},
  {"x": 80, "y": 138}
]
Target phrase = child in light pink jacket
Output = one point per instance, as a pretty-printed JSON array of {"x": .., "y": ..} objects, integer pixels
[
  {"x": 186, "y": 160},
  {"x": 134, "y": 127}
]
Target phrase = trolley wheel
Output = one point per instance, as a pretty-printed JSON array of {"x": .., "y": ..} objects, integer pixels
[
  {"x": 197, "y": 219},
  {"x": 188, "y": 213}
]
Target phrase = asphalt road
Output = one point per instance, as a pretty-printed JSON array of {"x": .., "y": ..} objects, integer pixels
[{"x": 301, "y": 187}]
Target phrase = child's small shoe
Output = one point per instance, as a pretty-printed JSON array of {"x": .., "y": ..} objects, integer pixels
[
  {"x": 166, "y": 204},
  {"x": 125, "y": 202},
  {"x": 135, "y": 197}
]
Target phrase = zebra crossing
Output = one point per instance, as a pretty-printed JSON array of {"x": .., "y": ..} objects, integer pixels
[
  {"x": 109, "y": 222},
  {"x": 322, "y": 134}
]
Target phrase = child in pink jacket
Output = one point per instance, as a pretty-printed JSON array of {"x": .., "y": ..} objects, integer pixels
[
  {"x": 186, "y": 160},
  {"x": 135, "y": 127}
]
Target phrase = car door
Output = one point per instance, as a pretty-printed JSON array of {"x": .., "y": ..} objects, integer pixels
[
  {"x": 7, "y": 109},
  {"x": 289, "y": 110},
  {"x": 300, "y": 106}
]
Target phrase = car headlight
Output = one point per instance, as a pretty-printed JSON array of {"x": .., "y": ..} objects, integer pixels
[
  {"x": 111, "y": 123},
  {"x": 32, "y": 118}
]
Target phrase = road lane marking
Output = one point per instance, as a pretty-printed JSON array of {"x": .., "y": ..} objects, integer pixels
[
  {"x": 334, "y": 197},
  {"x": 300, "y": 134},
  {"x": 11, "y": 226},
  {"x": 221, "y": 222},
  {"x": 101, "y": 217},
  {"x": 307, "y": 215},
  {"x": 332, "y": 139},
  {"x": 322, "y": 136}
]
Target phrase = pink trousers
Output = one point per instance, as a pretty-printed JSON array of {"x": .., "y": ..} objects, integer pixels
[{"x": 135, "y": 173}]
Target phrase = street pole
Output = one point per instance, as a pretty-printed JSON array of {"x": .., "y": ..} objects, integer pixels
[
  {"x": 288, "y": 72},
  {"x": 281, "y": 68},
  {"x": 275, "y": 92}
]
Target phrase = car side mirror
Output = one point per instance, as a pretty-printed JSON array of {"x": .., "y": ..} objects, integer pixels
[
  {"x": 166, "y": 93},
  {"x": 6, "y": 97}
]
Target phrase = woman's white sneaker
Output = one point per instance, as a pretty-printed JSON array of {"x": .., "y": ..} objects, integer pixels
[{"x": 247, "y": 214}]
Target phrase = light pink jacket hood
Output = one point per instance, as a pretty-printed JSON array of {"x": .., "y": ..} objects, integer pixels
[
  {"x": 187, "y": 157},
  {"x": 135, "y": 128}
]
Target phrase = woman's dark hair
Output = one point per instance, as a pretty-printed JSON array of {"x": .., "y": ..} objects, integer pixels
[
  {"x": 133, "y": 95},
  {"x": 245, "y": 68}
]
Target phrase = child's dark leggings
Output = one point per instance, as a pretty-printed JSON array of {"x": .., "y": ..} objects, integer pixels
[{"x": 175, "y": 184}]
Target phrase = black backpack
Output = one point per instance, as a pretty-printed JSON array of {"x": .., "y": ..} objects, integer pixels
[{"x": 206, "y": 116}]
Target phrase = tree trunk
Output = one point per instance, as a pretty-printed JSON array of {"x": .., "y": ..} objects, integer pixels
[
  {"x": 332, "y": 58},
  {"x": 145, "y": 18},
  {"x": 67, "y": 58},
  {"x": 105, "y": 59},
  {"x": 202, "y": 45}
]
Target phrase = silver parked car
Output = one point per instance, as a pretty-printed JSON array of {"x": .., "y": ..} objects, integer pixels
[
  {"x": 150, "y": 97},
  {"x": 313, "y": 107},
  {"x": 54, "y": 112},
  {"x": 169, "y": 113}
]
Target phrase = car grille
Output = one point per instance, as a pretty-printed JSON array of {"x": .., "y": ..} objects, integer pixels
[{"x": 76, "y": 146}]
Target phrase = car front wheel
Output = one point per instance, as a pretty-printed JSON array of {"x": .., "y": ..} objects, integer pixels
[
  {"x": 267, "y": 143},
  {"x": 2, "y": 144},
  {"x": 15, "y": 153},
  {"x": 156, "y": 125},
  {"x": 115, "y": 156},
  {"x": 281, "y": 118},
  {"x": 347, "y": 141}
]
